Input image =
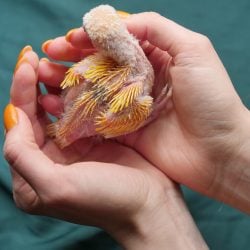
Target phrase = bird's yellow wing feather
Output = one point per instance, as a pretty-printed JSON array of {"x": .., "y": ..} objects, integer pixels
[
  {"x": 125, "y": 97},
  {"x": 112, "y": 125},
  {"x": 105, "y": 78}
]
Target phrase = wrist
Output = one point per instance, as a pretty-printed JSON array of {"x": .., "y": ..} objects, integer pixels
[
  {"x": 165, "y": 225},
  {"x": 235, "y": 174}
]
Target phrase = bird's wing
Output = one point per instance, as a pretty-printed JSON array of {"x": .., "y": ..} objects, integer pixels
[{"x": 112, "y": 125}]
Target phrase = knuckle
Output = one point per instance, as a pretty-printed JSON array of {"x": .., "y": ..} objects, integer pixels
[
  {"x": 26, "y": 205},
  {"x": 153, "y": 15},
  {"x": 10, "y": 153},
  {"x": 203, "y": 41}
]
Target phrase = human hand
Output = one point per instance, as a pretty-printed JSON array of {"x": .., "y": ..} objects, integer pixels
[
  {"x": 107, "y": 185},
  {"x": 201, "y": 139},
  {"x": 204, "y": 134}
]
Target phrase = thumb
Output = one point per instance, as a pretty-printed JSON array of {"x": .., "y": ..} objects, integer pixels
[
  {"x": 21, "y": 150},
  {"x": 160, "y": 31}
]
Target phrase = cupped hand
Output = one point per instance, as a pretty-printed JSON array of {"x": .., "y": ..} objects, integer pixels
[
  {"x": 106, "y": 184},
  {"x": 105, "y": 169},
  {"x": 197, "y": 138}
]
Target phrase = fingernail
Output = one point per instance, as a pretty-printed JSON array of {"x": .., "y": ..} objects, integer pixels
[
  {"x": 46, "y": 45},
  {"x": 69, "y": 34},
  {"x": 23, "y": 51},
  {"x": 44, "y": 59},
  {"x": 122, "y": 14},
  {"x": 10, "y": 117},
  {"x": 20, "y": 62}
]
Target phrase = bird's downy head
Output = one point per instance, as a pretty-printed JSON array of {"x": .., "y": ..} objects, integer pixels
[
  {"x": 109, "y": 34},
  {"x": 103, "y": 23}
]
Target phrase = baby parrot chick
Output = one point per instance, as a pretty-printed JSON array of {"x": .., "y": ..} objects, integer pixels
[{"x": 106, "y": 94}]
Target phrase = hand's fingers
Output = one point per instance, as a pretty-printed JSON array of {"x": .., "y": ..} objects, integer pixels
[
  {"x": 24, "y": 155},
  {"x": 160, "y": 31},
  {"x": 23, "y": 91},
  {"x": 53, "y": 90},
  {"x": 30, "y": 55},
  {"x": 52, "y": 104},
  {"x": 79, "y": 39},
  {"x": 51, "y": 74},
  {"x": 147, "y": 47},
  {"x": 156, "y": 56},
  {"x": 160, "y": 61},
  {"x": 60, "y": 49}
]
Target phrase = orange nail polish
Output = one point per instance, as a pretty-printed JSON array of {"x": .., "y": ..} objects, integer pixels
[
  {"x": 122, "y": 14},
  {"x": 23, "y": 51},
  {"x": 20, "y": 62},
  {"x": 69, "y": 34},
  {"x": 10, "y": 117},
  {"x": 45, "y": 45}
]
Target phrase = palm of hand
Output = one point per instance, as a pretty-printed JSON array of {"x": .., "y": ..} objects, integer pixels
[{"x": 113, "y": 177}]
